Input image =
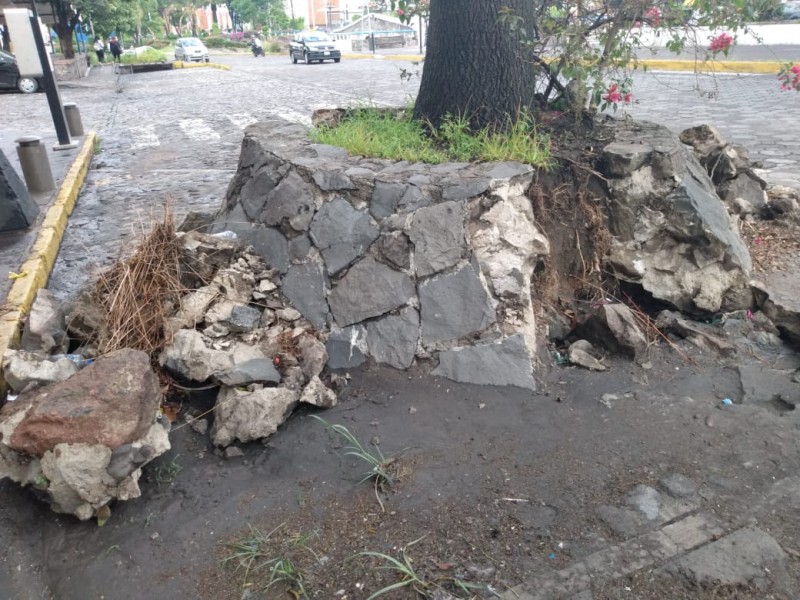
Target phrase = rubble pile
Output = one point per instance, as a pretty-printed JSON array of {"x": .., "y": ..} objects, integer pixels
[{"x": 79, "y": 427}]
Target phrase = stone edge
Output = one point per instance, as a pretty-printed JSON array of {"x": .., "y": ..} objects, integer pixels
[{"x": 43, "y": 255}]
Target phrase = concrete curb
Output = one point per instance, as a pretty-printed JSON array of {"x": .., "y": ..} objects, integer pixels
[
  {"x": 179, "y": 64},
  {"x": 699, "y": 66},
  {"x": 36, "y": 269}
]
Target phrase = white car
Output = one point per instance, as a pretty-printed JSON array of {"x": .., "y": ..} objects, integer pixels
[{"x": 190, "y": 49}]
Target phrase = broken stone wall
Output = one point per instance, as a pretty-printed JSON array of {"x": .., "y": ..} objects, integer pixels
[{"x": 395, "y": 261}]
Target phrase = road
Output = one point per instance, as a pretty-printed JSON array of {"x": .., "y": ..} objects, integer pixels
[{"x": 176, "y": 134}]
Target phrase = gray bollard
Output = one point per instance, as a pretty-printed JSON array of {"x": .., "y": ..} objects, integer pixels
[
  {"x": 35, "y": 164},
  {"x": 73, "y": 116}
]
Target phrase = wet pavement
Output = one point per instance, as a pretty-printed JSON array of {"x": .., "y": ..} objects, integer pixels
[{"x": 175, "y": 135}]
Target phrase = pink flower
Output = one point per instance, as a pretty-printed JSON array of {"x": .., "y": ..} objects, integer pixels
[
  {"x": 653, "y": 15},
  {"x": 400, "y": 12},
  {"x": 721, "y": 43},
  {"x": 627, "y": 98},
  {"x": 795, "y": 69}
]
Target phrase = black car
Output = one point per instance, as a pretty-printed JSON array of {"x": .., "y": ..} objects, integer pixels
[
  {"x": 10, "y": 77},
  {"x": 313, "y": 45}
]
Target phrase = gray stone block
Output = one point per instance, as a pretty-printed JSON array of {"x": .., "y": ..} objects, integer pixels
[
  {"x": 393, "y": 339},
  {"x": 330, "y": 181},
  {"x": 438, "y": 236},
  {"x": 385, "y": 198},
  {"x": 342, "y": 233},
  {"x": 506, "y": 362},
  {"x": 17, "y": 210},
  {"x": 290, "y": 203},
  {"x": 243, "y": 318},
  {"x": 304, "y": 285},
  {"x": 268, "y": 242},
  {"x": 250, "y": 371},
  {"x": 369, "y": 289},
  {"x": 454, "y": 305},
  {"x": 395, "y": 248},
  {"x": 344, "y": 348}
]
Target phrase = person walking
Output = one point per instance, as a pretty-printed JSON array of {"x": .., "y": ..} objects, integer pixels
[
  {"x": 116, "y": 48},
  {"x": 99, "y": 49}
]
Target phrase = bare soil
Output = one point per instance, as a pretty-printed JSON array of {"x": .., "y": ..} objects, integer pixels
[{"x": 494, "y": 486}]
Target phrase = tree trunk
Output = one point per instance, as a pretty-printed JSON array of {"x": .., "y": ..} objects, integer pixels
[
  {"x": 64, "y": 34},
  {"x": 475, "y": 66}
]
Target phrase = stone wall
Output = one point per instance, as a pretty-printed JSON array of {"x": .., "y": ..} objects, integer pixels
[
  {"x": 69, "y": 69},
  {"x": 395, "y": 261}
]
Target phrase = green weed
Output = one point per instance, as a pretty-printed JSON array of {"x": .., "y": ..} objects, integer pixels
[
  {"x": 378, "y": 133},
  {"x": 384, "y": 134},
  {"x": 165, "y": 474},
  {"x": 261, "y": 552},
  {"x": 407, "y": 576}
]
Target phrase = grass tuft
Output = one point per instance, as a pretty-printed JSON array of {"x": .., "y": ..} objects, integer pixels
[
  {"x": 385, "y": 134},
  {"x": 260, "y": 552},
  {"x": 381, "y": 467}
]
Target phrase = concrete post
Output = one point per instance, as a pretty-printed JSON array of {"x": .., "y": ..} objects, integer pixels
[
  {"x": 73, "y": 116},
  {"x": 35, "y": 164}
]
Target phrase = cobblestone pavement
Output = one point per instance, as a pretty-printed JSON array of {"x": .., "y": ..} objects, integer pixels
[{"x": 176, "y": 134}]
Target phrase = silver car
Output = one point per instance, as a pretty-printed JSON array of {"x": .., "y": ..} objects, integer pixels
[{"x": 190, "y": 49}]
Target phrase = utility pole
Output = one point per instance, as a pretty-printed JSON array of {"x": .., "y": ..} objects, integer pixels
[{"x": 53, "y": 99}]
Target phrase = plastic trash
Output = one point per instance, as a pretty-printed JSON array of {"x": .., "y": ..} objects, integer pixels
[
  {"x": 11, "y": 397},
  {"x": 727, "y": 401},
  {"x": 552, "y": 556},
  {"x": 79, "y": 360},
  {"x": 225, "y": 235}
]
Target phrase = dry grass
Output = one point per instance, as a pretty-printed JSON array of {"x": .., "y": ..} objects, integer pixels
[{"x": 136, "y": 293}]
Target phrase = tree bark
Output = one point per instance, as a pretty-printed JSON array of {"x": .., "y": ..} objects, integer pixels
[{"x": 475, "y": 66}]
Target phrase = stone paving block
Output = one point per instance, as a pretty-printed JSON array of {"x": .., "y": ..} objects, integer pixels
[{"x": 692, "y": 531}]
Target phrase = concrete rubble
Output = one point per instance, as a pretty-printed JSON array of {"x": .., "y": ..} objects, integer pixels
[{"x": 81, "y": 442}]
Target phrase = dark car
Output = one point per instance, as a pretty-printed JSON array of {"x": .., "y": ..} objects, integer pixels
[
  {"x": 313, "y": 45},
  {"x": 10, "y": 77}
]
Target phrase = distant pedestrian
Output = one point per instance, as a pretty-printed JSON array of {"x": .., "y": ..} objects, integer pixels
[
  {"x": 99, "y": 49},
  {"x": 116, "y": 48}
]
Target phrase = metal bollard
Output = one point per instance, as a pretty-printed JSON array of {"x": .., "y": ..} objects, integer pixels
[
  {"x": 73, "y": 116},
  {"x": 35, "y": 164}
]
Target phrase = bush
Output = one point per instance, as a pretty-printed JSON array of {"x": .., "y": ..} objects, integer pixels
[
  {"x": 275, "y": 48},
  {"x": 222, "y": 42},
  {"x": 151, "y": 55}
]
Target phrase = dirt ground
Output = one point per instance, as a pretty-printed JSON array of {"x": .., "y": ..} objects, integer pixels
[{"x": 494, "y": 485}]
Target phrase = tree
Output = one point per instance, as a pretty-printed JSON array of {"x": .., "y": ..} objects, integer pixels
[
  {"x": 67, "y": 18},
  {"x": 489, "y": 60},
  {"x": 475, "y": 65}
]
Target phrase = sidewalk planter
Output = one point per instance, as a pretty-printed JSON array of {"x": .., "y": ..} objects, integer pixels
[{"x": 151, "y": 67}]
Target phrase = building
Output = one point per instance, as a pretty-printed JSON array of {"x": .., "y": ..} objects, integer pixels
[{"x": 326, "y": 14}]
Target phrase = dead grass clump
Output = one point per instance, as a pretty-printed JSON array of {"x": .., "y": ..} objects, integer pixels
[{"x": 136, "y": 293}]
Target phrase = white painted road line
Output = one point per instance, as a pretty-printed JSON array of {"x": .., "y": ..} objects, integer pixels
[
  {"x": 242, "y": 120},
  {"x": 144, "y": 137},
  {"x": 198, "y": 130}
]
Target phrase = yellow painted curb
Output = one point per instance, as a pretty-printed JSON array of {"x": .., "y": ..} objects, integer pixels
[
  {"x": 699, "y": 66},
  {"x": 724, "y": 66},
  {"x": 44, "y": 252},
  {"x": 179, "y": 64}
]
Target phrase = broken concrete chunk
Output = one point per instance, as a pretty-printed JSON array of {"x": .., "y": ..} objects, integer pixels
[
  {"x": 45, "y": 328},
  {"x": 250, "y": 415},
  {"x": 317, "y": 393},
  {"x": 506, "y": 362},
  {"x": 580, "y": 354}
]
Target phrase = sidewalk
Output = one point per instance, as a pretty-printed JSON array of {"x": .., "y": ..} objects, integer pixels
[{"x": 30, "y": 253}]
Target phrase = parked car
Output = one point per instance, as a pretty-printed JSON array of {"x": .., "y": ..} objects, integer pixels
[
  {"x": 791, "y": 10},
  {"x": 10, "y": 77},
  {"x": 309, "y": 46},
  {"x": 190, "y": 49}
]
